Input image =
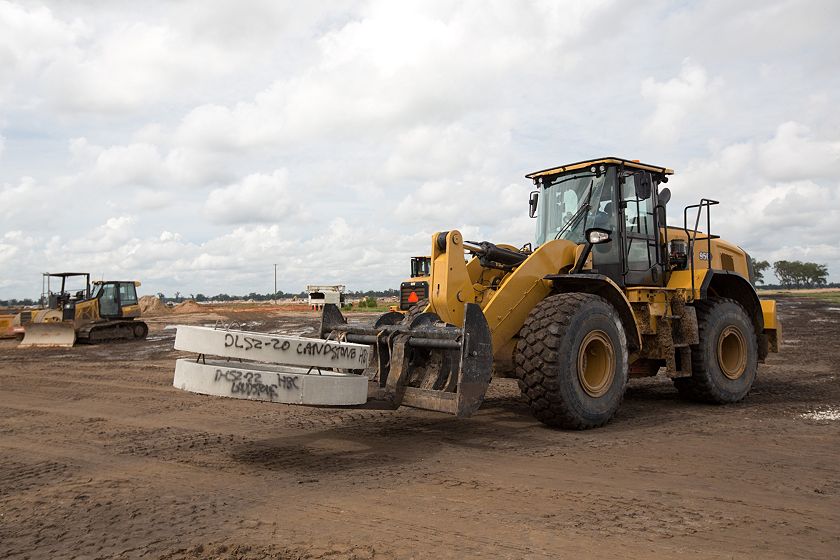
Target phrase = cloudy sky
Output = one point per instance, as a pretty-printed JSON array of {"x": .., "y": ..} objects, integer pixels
[{"x": 193, "y": 144}]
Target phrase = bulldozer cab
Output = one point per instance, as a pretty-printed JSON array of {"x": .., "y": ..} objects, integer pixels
[
  {"x": 618, "y": 198},
  {"x": 117, "y": 299},
  {"x": 97, "y": 312}
]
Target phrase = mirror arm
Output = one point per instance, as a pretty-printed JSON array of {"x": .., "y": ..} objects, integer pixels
[{"x": 582, "y": 259}]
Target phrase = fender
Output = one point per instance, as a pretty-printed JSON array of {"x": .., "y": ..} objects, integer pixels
[
  {"x": 729, "y": 284},
  {"x": 601, "y": 285}
]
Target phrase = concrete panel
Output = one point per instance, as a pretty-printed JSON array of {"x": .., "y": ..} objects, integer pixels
[
  {"x": 272, "y": 348},
  {"x": 272, "y": 383}
]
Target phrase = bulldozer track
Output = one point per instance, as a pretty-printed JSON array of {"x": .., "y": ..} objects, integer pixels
[{"x": 111, "y": 330}]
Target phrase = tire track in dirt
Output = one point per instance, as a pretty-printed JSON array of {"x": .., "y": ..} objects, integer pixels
[{"x": 134, "y": 468}]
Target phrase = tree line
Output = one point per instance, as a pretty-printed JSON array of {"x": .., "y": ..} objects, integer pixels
[
  {"x": 793, "y": 274},
  {"x": 178, "y": 297}
]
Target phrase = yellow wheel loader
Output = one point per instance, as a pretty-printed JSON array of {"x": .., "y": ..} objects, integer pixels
[
  {"x": 608, "y": 291},
  {"x": 415, "y": 290},
  {"x": 99, "y": 312}
]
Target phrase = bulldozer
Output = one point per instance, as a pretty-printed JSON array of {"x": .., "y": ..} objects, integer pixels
[
  {"x": 607, "y": 291},
  {"x": 101, "y": 311}
]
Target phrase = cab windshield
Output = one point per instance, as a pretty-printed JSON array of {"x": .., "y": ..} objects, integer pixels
[{"x": 571, "y": 204}]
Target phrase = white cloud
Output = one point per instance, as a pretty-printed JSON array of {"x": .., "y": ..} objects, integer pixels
[
  {"x": 29, "y": 40},
  {"x": 135, "y": 164},
  {"x": 397, "y": 65},
  {"x": 794, "y": 154},
  {"x": 676, "y": 100},
  {"x": 19, "y": 199},
  {"x": 389, "y": 121},
  {"x": 111, "y": 235},
  {"x": 12, "y": 243},
  {"x": 149, "y": 199},
  {"x": 259, "y": 198},
  {"x": 778, "y": 196}
]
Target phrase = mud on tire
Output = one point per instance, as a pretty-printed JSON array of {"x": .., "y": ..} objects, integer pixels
[
  {"x": 724, "y": 363},
  {"x": 429, "y": 369},
  {"x": 548, "y": 359},
  {"x": 414, "y": 311}
]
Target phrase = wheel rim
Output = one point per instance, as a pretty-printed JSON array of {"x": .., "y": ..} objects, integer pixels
[
  {"x": 732, "y": 352},
  {"x": 596, "y": 363}
]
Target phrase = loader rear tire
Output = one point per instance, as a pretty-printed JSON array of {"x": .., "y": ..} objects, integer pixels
[
  {"x": 725, "y": 362},
  {"x": 571, "y": 361}
]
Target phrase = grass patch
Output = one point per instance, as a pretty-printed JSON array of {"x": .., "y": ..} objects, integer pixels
[{"x": 828, "y": 297}]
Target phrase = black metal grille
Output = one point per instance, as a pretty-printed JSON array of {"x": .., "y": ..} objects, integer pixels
[{"x": 421, "y": 289}]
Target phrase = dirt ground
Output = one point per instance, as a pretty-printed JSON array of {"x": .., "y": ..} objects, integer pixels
[{"x": 100, "y": 457}]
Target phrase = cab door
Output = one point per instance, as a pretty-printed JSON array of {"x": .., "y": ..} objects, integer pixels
[
  {"x": 639, "y": 231},
  {"x": 109, "y": 305}
]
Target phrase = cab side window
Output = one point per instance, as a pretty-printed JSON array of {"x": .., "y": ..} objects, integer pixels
[{"x": 128, "y": 294}]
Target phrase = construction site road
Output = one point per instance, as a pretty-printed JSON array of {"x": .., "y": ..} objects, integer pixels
[{"x": 100, "y": 457}]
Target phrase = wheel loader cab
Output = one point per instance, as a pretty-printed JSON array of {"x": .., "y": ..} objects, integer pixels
[
  {"x": 618, "y": 196},
  {"x": 416, "y": 288}
]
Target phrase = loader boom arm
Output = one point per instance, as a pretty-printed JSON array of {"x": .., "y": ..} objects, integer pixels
[{"x": 506, "y": 306}]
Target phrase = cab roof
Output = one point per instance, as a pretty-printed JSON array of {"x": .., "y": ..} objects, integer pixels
[
  {"x": 65, "y": 274},
  {"x": 606, "y": 160}
]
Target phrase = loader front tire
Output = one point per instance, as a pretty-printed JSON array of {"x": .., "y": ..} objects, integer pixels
[
  {"x": 571, "y": 361},
  {"x": 725, "y": 362},
  {"x": 414, "y": 311}
]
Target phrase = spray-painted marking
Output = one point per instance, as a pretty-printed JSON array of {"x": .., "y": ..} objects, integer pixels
[
  {"x": 273, "y": 348},
  {"x": 250, "y": 383},
  {"x": 267, "y": 383},
  {"x": 314, "y": 348}
]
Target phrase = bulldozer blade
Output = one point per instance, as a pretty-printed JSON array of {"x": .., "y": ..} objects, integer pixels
[
  {"x": 425, "y": 364},
  {"x": 60, "y": 335}
]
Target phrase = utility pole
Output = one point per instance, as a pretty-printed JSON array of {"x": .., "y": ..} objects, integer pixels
[{"x": 274, "y": 297}]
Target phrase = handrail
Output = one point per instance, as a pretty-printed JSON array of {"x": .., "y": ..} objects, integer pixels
[{"x": 706, "y": 203}]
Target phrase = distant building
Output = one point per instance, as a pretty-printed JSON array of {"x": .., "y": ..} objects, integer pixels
[{"x": 321, "y": 295}]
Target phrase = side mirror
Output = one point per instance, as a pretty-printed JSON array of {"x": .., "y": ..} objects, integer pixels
[
  {"x": 664, "y": 196},
  {"x": 643, "y": 186},
  {"x": 596, "y": 236},
  {"x": 532, "y": 204}
]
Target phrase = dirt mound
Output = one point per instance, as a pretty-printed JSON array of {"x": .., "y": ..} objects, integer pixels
[
  {"x": 189, "y": 306},
  {"x": 152, "y": 305}
]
